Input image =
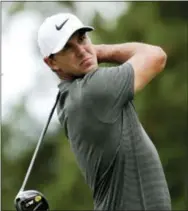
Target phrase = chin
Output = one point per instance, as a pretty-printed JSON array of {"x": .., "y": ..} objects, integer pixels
[{"x": 91, "y": 68}]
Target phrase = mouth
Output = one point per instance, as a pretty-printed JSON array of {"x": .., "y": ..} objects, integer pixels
[{"x": 84, "y": 61}]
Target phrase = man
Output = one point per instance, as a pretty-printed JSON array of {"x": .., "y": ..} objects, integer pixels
[{"x": 118, "y": 160}]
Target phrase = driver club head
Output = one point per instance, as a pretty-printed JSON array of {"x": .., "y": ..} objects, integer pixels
[{"x": 31, "y": 200}]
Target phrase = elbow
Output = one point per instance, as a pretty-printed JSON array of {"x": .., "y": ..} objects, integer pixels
[{"x": 160, "y": 58}]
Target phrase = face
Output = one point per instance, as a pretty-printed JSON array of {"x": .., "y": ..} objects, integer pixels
[{"x": 78, "y": 57}]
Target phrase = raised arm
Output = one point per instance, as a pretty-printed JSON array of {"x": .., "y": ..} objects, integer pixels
[{"x": 146, "y": 60}]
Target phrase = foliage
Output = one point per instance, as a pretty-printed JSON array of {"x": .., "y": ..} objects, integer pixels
[{"x": 162, "y": 108}]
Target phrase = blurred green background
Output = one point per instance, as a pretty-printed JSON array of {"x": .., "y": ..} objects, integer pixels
[{"x": 161, "y": 106}]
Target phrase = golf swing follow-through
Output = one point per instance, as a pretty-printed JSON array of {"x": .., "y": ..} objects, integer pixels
[
  {"x": 32, "y": 200},
  {"x": 117, "y": 158}
]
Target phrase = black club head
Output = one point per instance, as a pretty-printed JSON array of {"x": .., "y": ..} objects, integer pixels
[{"x": 31, "y": 200}]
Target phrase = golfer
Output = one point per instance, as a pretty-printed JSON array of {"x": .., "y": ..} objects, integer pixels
[{"x": 117, "y": 158}]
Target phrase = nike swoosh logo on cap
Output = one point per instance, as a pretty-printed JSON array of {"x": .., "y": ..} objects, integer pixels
[{"x": 60, "y": 26}]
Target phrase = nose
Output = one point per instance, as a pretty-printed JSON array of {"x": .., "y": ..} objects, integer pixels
[{"x": 80, "y": 51}]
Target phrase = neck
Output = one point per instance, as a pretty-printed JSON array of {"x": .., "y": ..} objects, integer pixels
[{"x": 68, "y": 77}]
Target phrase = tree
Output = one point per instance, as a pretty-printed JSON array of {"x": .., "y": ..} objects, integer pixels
[{"x": 161, "y": 106}]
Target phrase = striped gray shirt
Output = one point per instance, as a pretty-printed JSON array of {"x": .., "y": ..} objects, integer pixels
[{"x": 118, "y": 160}]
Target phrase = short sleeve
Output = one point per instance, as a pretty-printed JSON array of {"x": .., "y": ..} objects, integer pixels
[{"x": 110, "y": 89}]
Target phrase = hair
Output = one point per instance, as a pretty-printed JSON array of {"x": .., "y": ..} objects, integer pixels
[{"x": 51, "y": 56}]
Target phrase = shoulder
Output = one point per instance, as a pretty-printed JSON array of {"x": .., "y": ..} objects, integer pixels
[{"x": 108, "y": 80}]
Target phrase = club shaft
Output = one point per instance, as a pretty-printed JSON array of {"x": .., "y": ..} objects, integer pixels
[{"x": 38, "y": 146}]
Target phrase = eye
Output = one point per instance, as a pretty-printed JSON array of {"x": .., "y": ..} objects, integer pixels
[{"x": 82, "y": 37}]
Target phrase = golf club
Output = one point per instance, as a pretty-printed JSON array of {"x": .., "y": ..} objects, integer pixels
[{"x": 32, "y": 200}]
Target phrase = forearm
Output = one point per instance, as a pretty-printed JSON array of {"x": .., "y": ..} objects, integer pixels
[{"x": 120, "y": 53}]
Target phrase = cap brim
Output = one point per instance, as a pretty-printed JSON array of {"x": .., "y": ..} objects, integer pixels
[{"x": 64, "y": 40}]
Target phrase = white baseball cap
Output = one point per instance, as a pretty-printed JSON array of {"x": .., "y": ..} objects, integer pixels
[{"x": 56, "y": 30}]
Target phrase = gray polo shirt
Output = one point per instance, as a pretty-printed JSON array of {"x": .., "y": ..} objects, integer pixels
[{"x": 117, "y": 158}]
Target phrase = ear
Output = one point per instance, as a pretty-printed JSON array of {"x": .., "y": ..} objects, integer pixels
[{"x": 51, "y": 63}]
